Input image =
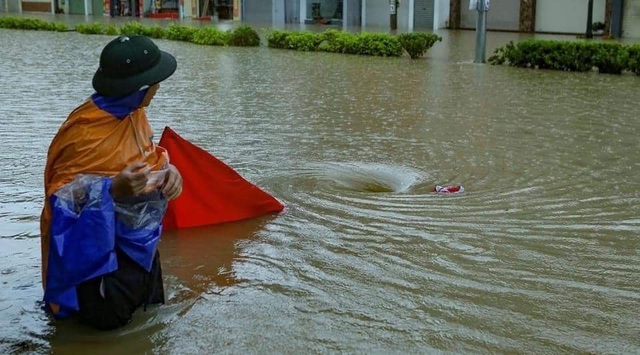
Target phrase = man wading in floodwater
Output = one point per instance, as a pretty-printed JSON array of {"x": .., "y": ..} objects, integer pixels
[{"x": 107, "y": 186}]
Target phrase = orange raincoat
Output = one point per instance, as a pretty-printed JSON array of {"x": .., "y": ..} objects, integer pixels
[{"x": 92, "y": 141}]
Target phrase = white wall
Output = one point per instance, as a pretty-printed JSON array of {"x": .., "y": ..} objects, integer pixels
[
  {"x": 352, "y": 11},
  {"x": 188, "y": 12},
  {"x": 378, "y": 14},
  {"x": 631, "y": 19},
  {"x": 258, "y": 11},
  {"x": 502, "y": 15},
  {"x": 12, "y": 6},
  {"x": 292, "y": 11},
  {"x": 278, "y": 13},
  {"x": 403, "y": 14},
  {"x": 566, "y": 16},
  {"x": 441, "y": 15}
]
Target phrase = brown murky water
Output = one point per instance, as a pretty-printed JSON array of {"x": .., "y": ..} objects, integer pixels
[{"x": 541, "y": 254}]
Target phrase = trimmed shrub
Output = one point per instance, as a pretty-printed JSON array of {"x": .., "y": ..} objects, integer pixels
[
  {"x": 177, "y": 32},
  {"x": 134, "y": 28},
  {"x": 376, "y": 44},
  {"x": 97, "y": 29},
  {"x": 582, "y": 56},
  {"x": 611, "y": 58},
  {"x": 333, "y": 41},
  {"x": 211, "y": 36},
  {"x": 633, "y": 64},
  {"x": 579, "y": 55},
  {"x": 417, "y": 44},
  {"x": 505, "y": 54},
  {"x": 277, "y": 39},
  {"x": 58, "y": 27},
  {"x": 34, "y": 24},
  {"x": 302, "y": 41},
  {"x": 244, "y": 36},
  {"x": 542, "y": 54}
]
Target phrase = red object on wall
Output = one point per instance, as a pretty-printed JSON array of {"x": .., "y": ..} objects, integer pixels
[{"x": 166, "y": 15}]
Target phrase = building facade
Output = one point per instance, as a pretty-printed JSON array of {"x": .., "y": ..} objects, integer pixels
[
  {"x": 566, "y": 16},
  {"x": 631, "y": 19},
  {"x": 620, "y": 17},
  {"x": 503, "y": 15},
  {"x": 411, "y": 14}
]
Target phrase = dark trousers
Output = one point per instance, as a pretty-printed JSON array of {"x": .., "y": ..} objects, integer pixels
[{"x": 109, "y": 301}]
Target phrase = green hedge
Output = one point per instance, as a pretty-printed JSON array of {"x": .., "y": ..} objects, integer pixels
[
  {"x": 244, "y": 36},
  {"x": 97, "y": 29},
  {"x": 24, "y": 23},
  {"x": 134, "y": 28},
  {"x": 634, "y": 58},
  {"x": 211, "y": 36},
  {"x": 301, "y": 41},
  {"x": 374, "y": 44},
  {"x": 177, "y": 32},
  {"x": 581, "y": 56}
]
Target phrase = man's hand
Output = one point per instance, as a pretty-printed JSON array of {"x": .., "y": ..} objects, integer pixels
[
  {"x": 172, "y": 187},
  {"x": 131, "y": 181}
]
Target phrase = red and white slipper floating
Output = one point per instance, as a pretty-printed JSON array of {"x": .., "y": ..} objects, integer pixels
[{"x": 454, "y": 189}]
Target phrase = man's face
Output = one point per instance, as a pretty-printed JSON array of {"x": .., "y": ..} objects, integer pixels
[{"x": 150, "y": 94}]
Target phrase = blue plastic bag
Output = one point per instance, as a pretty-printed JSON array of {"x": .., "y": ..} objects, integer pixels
[
  {"x": 82, "y": 238},
  {"x": 86, "y": 227}
]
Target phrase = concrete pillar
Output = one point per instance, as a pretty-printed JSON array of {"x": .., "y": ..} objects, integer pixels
[
  {"x": 608, "y": 10},
  {"x": 303, "y": 11},
  {"x": 86, "y": 7},
  {"x": 364, "y": 14},
  {"x": 615, "y": 23},
  {"x": 455, "y": 11},
  {"x": 527, "y": 16},
  {"x": 277, "y": 7},
  {"x": 345, "y": 8},
  {"x": 441, "y": 14},
  {"x": 411, "y": 15}
]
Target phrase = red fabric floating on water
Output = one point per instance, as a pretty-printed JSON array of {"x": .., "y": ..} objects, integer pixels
[{"x": 212, "y": 192}]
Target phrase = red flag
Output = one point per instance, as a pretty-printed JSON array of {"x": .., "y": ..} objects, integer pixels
[{"x": 212, "y": 192}]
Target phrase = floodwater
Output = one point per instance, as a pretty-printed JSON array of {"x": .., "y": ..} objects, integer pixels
[{"x": 540, "y": 254}]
